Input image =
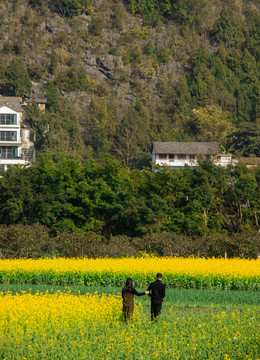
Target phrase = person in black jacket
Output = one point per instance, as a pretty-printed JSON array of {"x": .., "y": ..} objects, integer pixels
[
  {"x": 157, "y": 293},
  {"x": 128, "y": 293}
]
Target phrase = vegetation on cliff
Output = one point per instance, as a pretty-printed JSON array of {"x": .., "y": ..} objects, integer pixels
[{"x": 121, "y": 74}]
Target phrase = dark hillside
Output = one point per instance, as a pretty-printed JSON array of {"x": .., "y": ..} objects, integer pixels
[{"x": 121, "y": 74}]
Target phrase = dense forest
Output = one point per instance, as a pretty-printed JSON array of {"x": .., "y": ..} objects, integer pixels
[
  {"x": 103, "y": 201},
  {"x": 117, "y": 75}
]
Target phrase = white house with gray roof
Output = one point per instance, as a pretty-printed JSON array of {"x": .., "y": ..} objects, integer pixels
[
  {"x": 16, "y": 147},
  {"x": 178, "y": 154}
]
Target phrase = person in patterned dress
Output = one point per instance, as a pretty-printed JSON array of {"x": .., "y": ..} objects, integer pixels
[{"x": 128, "y": 293}]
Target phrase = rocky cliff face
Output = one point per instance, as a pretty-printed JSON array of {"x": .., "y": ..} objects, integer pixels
[{"x": 101, "y": 49}]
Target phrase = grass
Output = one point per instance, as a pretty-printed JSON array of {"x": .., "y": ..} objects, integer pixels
[{"x": 180, "y": 298}]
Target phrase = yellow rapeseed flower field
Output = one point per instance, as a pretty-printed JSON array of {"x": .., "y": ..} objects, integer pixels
[
  {"x": 65, "y": 326},
  {"x": 138, "y": 265},
  {"x": 178, "y": 272},
  {"x": 44, "y": 309}
]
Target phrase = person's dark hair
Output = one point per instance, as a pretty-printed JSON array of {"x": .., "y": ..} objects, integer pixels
[
  {"x": 159, "y": 276},
  {"x": 129, "y": 284}
]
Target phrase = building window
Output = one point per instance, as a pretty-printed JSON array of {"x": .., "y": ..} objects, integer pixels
[
  {"x": 181, "y": 156},
  {"x": 41, "y": 106},
  {"x": 162, "y": 156},
  {"x": 171, "y": 157},
  {"x": 8, "y": 119},
  {"x": 8, "y": 152},
  {"x": 8, "y": 136},
  {"x": 192, "y": 157}
]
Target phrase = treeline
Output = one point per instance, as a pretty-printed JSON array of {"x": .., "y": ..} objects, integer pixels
[{"x": 103, "y": 201}]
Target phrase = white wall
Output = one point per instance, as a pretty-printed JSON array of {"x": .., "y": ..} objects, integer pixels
[
  {"x": 178, "y": 163},
  {"x": 175, "y": 162}
]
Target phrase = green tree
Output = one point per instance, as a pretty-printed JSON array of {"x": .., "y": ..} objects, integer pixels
[
  {"x": 244, "y": 106},
  {"x": 51, "y": 178},
  {"x": 183, "y": 96},
  {"x": 63, "y": 135},
  {"x": 246, "y": 140},
  {"x": 102, "y": 123},
  {"x": 242, "y": 197},
  {"x": 149, "y": 48},
  {"x": 230, "y": 28},
  {"x": 54, "y": 62},
  {"x": 36, "y": 3},
  {"x": 52, "y": 96},
  {"x": 71, "y": 80},
  {"x": 213, "y": 124},
  {"x": 17, "y": 195},
  {"x": 70, "y": 8},
  {"x": 132, "y": 137},
  {"x": 208, "y": 183},
  {"x": 222, "y": 72},
  {"x": 17, "y": 79},
  {"x": 39, "y": 121},
  {"x": 203, "y": 86}
]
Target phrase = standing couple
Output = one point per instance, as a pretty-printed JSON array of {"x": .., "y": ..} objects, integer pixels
[{"x": 156, "y": 291}]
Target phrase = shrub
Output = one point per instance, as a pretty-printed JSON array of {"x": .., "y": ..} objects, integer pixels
[
  {"x": 36, "y": 72},
  {"x": 163, "y": 57},
  {"x": 96, "y": 25},
  {"x": 25, "y": 241},
  {"x": 149, "y": 49},
  {"x": 73, "y": 79},
  {"x": 7, "y": 47},
  {"x": 78, "y": 244}
]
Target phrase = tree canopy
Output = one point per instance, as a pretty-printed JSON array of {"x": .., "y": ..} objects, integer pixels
[
  {"x": 66, "y": 195},
  {"x": 17, "y": 79}
]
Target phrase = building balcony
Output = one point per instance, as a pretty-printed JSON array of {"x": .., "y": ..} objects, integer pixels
[
  {"x": 16, "y": 161},
  {"x": 10, "y": 142},
  {"x": 9, "y": 126}
]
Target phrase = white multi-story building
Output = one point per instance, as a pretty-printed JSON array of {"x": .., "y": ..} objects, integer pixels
[
  {"x": 15, "y": 145},
  {"x": 178, "y": 154}
]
